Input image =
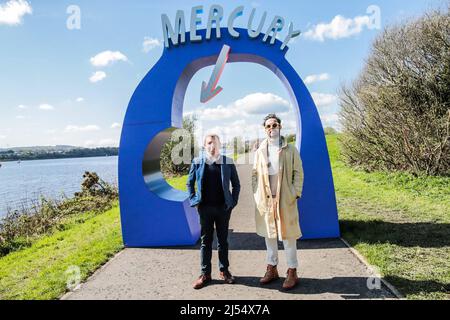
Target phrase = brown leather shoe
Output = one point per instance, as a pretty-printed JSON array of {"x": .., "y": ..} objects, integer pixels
[
  {"x": 271, "y": 275},
  {"x": 291, "y": 279},
  {"x": 202, "y": 281},
  {"x": 227, "y": 277}
]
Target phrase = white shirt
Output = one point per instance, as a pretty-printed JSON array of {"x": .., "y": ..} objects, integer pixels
[
  {"x": 273, "y": 157},
  {"x": 210, "y": 159}
]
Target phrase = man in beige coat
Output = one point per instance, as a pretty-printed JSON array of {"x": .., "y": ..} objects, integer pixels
[{"x": 277, "y": 180}]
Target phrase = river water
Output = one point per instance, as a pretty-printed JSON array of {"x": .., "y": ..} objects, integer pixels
[{"x": 24, "y": 182}]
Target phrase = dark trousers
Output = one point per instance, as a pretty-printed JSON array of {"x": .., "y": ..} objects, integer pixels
[{"x": 211, "y": 215}]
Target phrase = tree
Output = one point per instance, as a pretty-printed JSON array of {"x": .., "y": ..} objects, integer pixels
[
  {"x": 290, "y": 138},
  {"x": 172, "y": 168},
  {"x": 396, "y": 115},
  {"x": 330, "y": 130}
]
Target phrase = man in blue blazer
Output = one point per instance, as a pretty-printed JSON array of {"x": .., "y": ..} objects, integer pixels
[{"x": 214, "y": 202}]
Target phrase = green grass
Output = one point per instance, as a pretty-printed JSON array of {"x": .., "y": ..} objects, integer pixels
[
  {"x": 85, "y": 241},
  {"x": 400, "y": 223},
  {"x": 178, "y": 182}
]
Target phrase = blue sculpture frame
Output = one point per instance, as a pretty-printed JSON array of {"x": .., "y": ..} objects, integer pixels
[{"x": 153, "y": 213}]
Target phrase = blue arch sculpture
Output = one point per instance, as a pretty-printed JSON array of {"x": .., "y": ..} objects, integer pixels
[{"x": 153, "y": 213}]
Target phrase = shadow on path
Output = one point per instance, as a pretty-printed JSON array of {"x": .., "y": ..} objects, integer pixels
[
  {"x": 346, "y": 287},
  {"x": 420, "y": 234},
  {"x": 251, "y": 241}
]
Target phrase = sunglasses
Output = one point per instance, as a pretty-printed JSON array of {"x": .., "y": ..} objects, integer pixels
[{"x": 272, "y": 126}]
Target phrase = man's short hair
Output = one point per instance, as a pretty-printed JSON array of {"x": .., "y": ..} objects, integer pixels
[
  {"x": 211, "y": 135},
  {"x": 271, "y": 116}
]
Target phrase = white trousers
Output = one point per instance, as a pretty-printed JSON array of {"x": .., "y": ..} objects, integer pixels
[{"x": 290, "y": 249}]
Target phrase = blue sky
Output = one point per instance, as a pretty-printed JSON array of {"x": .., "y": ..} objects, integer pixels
[{"x": 62, "y": 86}]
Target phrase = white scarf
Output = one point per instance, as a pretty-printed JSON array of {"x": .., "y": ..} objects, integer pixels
[{"x": 273, "y": 150}]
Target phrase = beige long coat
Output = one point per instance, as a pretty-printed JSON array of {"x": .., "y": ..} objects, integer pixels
[{"x": 284, "y": 223}]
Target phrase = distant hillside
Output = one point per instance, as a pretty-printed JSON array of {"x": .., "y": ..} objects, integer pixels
[
  {"x": 41, "y": 148},
  {"x": 54, "y": 152}
]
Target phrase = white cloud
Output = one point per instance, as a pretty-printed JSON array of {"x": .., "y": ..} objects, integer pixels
[
  {"x": 101, "y": 143},
  {"x": 107, "y": 143},
  {"x": 330, "y": 120},
  {"x": 262, "y": 103},
  {"x": 243, "y": 117},
  {"x": 252, "y": 104},
  {"x": 89, "y": 143},
  {"x": 316, "y": 78},
  {"x": 218, "y": 113},
  {"x": 50, "y": 131},
  {"x": 97, "y": 76},
  {"x": 2, "y": 137},
  {"x": 20, "y": 117},
  {"x": 323, "y": 99},
  {"x": 12, "y": 12},
  {"x": 80, "y": 99},
  {"x": 22, "y": 107},
  {"x": 339, "y": 27},
  {"x": 150, "y": 44},
  {"x": 329, "y": 117},
  {"x": 46, "y": 107},
  {"x": 115, "y": 125},
  {"x": 106, "y": 58},
  {"x": 88, "y": 128}
]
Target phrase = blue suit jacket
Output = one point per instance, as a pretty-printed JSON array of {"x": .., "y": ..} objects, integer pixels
[{"x": 228, "y": 173}]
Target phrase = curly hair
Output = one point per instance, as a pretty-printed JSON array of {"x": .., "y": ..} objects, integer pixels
[{"x": 271, "y": 116}]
